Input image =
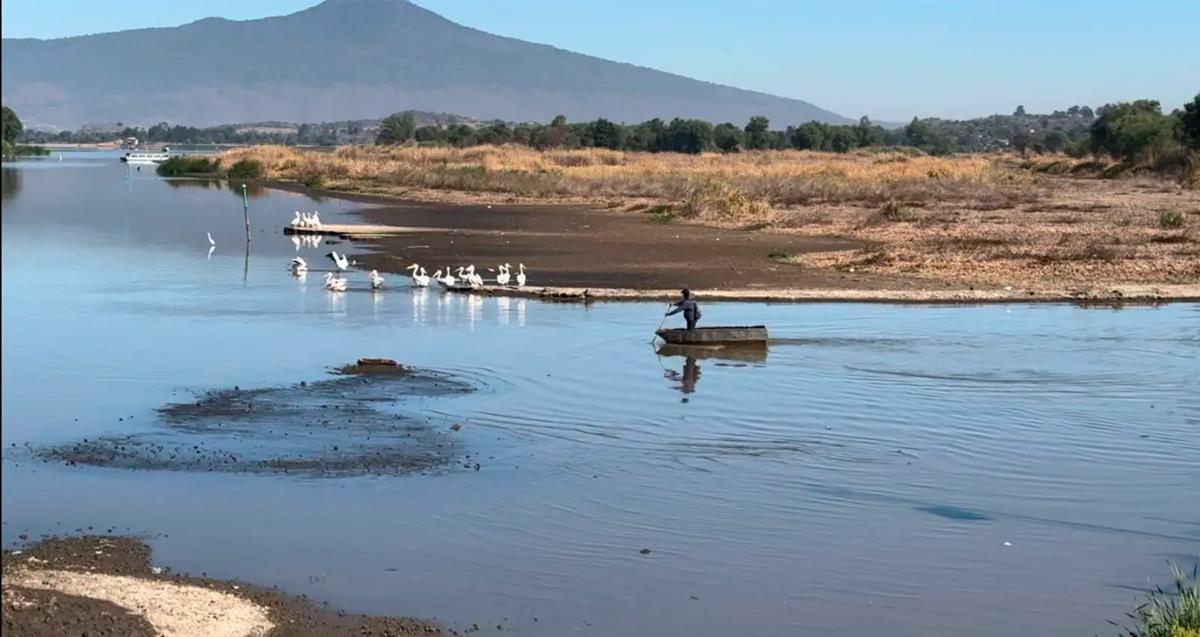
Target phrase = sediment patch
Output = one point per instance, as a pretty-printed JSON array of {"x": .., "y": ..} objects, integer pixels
[{"x": 354, "y": 423}]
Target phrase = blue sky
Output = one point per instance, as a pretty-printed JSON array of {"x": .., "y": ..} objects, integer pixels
[{"x": 890, "y": 59}]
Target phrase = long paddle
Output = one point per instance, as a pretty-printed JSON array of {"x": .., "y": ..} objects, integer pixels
[{"x": 660, "y": 324}]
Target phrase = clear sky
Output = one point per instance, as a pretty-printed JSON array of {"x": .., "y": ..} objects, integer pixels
[{"x": 890, "y": 59}]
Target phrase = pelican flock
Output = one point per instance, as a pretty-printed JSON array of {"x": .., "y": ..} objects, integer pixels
[
  {"x": 307, "y": 220},
  {"x": 449, "y": 278}
]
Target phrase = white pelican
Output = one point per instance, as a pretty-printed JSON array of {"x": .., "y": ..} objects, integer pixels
[
  {"x": 299, "y": 265},
  {"x": 521, "y": 276},
  {"x": 419, "y": 278},
  {"x": 504, "y": 276},
  {"x": 210, "y": 239},
  {"x": 334, "y": 284},
  {"x": 448, "y": 280},
  {"x": 316, "y": 220},
  {"x": 297, "y": 221},
  {"x": 376, "y": 280},
  {"x": 339, "y": 260}
]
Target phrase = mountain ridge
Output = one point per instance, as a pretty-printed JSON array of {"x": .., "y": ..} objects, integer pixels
[{"x": 349, "y": 59}]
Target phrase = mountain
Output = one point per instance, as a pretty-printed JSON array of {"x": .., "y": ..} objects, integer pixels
[{"x": 348, "y": 59}]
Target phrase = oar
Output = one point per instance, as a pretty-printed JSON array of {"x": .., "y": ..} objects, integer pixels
[{"x": 660, "y": 324}]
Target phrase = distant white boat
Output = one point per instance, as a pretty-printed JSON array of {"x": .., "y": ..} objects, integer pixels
[{"x": 146, "y": 157}]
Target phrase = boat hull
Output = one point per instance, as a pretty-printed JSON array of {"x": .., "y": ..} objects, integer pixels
[{"x": 751, "y": 335}]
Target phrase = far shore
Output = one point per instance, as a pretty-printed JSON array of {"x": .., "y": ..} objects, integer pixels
[{"x": 580, "y": 252}]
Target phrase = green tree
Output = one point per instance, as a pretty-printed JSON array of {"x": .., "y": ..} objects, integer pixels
[
  {"x": 606, "y": 134},
  {"x": 1055, "y": 141},
  {"x": 689, "y": 136},
  {"x": 727, "y": 137},
  {"x": 1086, "y": 111},
  {"x": 867, "y": 134},
  {"x": 396, "y": 128},
  {"x": 808, "y": 136},
  {"x": 12, "y": 127},
  {"x": 1021, "y": 140},
  {"x": 917, "y": 133},
  {"x": 1020, "y": 112},
  {"x": 1189, "y": 123},
  {"x": 758, "y": 133},
  {"x": 1132, "y": 131},
  {"x": 842, "y": 139}
]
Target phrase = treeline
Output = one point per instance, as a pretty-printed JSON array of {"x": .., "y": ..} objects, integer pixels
[
  {"x": 282, "y": 133},
  {"x": 13, "y": 132},
  {"x": 1128, "y": 131},
  {"x": 325, "y": 134}
]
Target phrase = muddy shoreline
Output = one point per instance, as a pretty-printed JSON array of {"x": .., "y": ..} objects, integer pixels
[
  {"x": 577, "y": 252},
  {"x": 42, "y": 582}
]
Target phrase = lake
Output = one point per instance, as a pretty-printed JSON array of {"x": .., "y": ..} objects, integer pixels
[{"x": 883, "y": 469}]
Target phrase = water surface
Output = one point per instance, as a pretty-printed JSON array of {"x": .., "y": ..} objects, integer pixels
[{"x": 884, "y": 469}]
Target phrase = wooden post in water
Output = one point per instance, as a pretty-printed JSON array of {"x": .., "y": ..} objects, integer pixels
[{"x": 246, "y": 212}]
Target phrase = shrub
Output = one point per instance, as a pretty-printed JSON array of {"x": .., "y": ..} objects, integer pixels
[
  {"x": 1170, "y": 219},
  {"x": 313, "y": 180},
  {"x": 715, "y": 199},
  {"x": 183, "y": 165},
  {"x": 246, "y": 169},
  {"x": 661, "y": 214},
  {"x": 893, "y": 210},
  {"x": 1169, "y": 613}
]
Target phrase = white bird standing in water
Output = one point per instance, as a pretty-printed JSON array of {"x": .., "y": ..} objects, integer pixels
[
  {"x": 298, "y": 221},
  {"x": 376, "y": 280},
  {"x": 210, "y": 239},
  {"x": 299, "y": 265},
  {"x": 420, "y": 279},
  {"x": 339, "y": 260},
  {"x": 316, "y": 220},
  {"x": 521, "y": 276},
  {"x": 504, "y": 276},
  {"x": 448, "y": 280}
]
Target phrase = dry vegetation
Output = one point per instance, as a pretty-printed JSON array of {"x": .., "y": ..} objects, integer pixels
[{"x": 978, "y": 219}]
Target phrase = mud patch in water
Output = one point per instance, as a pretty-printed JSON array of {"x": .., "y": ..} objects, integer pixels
[{"x": 350, "y": 425}]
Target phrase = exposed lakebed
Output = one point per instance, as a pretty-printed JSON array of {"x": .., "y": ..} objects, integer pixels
[
  {"x": 933, "y": 470},
  {"x": 352, "y": 424}
]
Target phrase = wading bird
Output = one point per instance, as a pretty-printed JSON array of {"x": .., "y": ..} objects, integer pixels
[{"x": 376, "y": 280}]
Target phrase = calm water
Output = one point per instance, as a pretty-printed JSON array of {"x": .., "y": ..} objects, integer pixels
[{"x": 863, "y": 479}]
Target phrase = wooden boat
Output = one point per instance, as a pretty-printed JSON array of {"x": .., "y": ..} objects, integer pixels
[{"x": 755, "y": 335}]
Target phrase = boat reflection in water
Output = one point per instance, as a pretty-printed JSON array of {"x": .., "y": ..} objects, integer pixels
[{"x": 690, "y": 374}]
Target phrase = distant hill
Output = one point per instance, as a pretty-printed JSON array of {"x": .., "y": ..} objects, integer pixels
[{"x": 349, "y": 59}]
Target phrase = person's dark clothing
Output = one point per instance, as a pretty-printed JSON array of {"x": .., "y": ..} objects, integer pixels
[{"x": 691, "y": 312}]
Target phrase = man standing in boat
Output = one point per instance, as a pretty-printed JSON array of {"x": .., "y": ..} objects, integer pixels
[{"x": 691, "y": 311}]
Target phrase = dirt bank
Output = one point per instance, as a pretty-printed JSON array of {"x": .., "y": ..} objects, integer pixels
[
  {"x": 103, "y": 585},
  {"x": 1049, "y": 250},
  {"x": 886, "y": 223}
]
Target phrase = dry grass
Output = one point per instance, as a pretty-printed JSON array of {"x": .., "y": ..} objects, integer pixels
[
  {"x": 979, "y": 219},
  {"x": 778, "y": 178}
]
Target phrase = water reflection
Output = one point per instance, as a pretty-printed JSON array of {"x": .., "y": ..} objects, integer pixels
[
  {"x": 11, "y": 182},
  {"x": 687, "y": 378},
  {"x": 233, "y": 187}
]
